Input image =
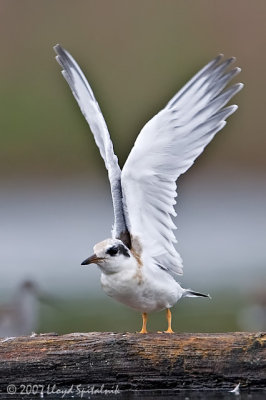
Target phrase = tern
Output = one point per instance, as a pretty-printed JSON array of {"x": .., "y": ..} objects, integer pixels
[
  {"x": 20, "y": 316},
  {"x": 139, "y": 263}
]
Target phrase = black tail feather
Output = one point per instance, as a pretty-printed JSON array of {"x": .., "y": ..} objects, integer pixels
[{"x": 192, "y": 293}]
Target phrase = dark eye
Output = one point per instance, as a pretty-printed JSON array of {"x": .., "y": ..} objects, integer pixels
[{"x": 112, "y": 251}]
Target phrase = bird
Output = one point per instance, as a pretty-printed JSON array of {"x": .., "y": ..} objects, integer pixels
[
  {"x": 139, "y": 264},
  {"x": 20, "y": 316}
]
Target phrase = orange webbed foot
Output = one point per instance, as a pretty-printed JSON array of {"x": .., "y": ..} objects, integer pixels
[{"x": 169, "y": 330}]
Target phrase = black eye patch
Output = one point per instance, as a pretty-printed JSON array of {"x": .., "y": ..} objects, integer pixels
[
  {"x": 112, "y": 251},
  {"x": 118, "y": 249}
]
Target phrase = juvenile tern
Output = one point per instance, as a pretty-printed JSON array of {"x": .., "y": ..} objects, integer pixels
[{"x": 139, "y": 263}]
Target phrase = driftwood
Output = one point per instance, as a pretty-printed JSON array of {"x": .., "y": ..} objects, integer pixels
[{"x": 133, "y": 361}]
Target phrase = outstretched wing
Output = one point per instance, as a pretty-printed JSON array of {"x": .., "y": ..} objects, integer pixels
[
  {"x": 91, "y": 111},
  {"x": 165, "y": 148}
]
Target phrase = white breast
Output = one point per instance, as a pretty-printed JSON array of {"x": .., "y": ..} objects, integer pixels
[{"x": 142, "y": 290}]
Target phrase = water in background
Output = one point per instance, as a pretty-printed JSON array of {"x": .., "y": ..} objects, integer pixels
[{"x": 47, "y": 230}]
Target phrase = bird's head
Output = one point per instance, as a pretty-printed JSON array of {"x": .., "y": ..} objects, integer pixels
[
  {"x": 29, "y": 286},
  {"x": 111, "y": 256},
  {"x": 30, "y": 289}
]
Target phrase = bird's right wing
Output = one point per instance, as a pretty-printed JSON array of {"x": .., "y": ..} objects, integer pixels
[{"x": 91, "y": 111}]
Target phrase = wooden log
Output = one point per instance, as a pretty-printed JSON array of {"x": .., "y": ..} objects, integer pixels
[{"x": 135, "y": 362}]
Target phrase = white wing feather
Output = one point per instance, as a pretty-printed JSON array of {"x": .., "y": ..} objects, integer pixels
[
  {"x": 165, "y": 148},
  {"x": 91, "y": 111}
]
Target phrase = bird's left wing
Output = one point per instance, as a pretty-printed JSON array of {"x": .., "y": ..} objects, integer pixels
[
  {"x": 165, "y": 148},
  {"x": 91, "y": 111}
]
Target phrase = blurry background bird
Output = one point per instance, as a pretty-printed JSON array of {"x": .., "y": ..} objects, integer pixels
[
  {"x": 20, "y": 315},
  {"x": 51, "y": 208},
  {"x": 252, "y": 317}
]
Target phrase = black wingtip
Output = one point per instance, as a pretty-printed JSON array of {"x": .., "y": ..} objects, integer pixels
[{"x": 59, "y": 50}]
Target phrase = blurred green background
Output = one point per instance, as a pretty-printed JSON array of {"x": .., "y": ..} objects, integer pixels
[{"x": 55, "y": 201}]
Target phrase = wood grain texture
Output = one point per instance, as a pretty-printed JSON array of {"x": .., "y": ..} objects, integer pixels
[{"x": 136, "y": 362}]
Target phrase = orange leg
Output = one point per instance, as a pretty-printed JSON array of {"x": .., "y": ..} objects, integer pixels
[
  {"x": 169, "y": 321},
  {"x": 144, "y": 323}
]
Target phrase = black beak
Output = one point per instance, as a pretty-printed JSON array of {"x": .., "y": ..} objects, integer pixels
[{"x": 92, "y": 260}]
